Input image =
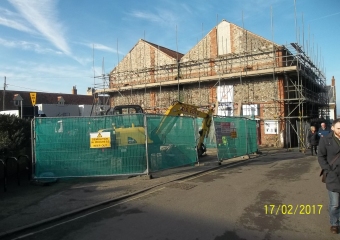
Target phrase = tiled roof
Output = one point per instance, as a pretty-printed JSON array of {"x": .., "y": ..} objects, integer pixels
[
  {"x": 167, "y": 51},
  {"x": 43, "y": 98}
]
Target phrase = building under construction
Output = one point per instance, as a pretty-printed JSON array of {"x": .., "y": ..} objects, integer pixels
[{"x": 240, "y": 72}]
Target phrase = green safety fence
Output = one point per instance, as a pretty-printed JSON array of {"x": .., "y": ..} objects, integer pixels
[
  {"x": 210, "y": 140},
  {"x": 131, "y": 144},
  {"x": 173, "y": 141},
  {"x": 235, "y": 136},
  {"x": 111, "y": 145},
  {"x": 73, "y": 147}
]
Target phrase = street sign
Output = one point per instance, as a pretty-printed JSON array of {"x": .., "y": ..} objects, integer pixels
[{"x": 33, "y": 98}]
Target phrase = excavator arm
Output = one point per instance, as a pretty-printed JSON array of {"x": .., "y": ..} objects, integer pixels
[
  {"x": 127, "y": 135},
  {"x": 180, "y": 109}
]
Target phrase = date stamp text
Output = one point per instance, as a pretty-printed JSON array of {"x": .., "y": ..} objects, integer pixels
[{"x": 293, "y": 209}]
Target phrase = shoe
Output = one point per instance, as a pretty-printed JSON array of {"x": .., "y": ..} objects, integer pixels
[{"x": 334, "y": 229}]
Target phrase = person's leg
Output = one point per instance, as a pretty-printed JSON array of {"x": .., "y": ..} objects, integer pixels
[
  {"x": 311, "y": 149},
  {"x": 316, "y": 149},
  {"x": 334, "y": 211}
]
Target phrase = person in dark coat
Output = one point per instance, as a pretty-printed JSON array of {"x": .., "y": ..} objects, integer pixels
[
  {"x": 323, "y": 130},
  {"x": 313, "y": 139},
  {"x": 329, "y": 153}
]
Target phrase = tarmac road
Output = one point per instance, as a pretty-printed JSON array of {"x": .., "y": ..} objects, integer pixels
[{"x": 276, "y": 196}]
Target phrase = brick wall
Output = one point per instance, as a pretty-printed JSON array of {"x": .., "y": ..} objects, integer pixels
[{"x": 146, "y": 63}]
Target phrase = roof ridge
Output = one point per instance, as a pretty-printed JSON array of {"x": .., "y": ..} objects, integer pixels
[{"x": 180, "y": 55}]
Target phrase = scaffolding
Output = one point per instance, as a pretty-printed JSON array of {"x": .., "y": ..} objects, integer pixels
[
  {"x": 297, "y": 93},
  {"x": 306, "y": 94},
  {"x": 101, "y": 100}
]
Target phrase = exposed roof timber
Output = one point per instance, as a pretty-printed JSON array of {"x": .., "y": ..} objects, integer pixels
[
  {"x": 297, "y": 47},
  {"x": 302, "y": 56}
]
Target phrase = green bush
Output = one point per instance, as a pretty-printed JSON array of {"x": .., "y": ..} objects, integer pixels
[{"x": 15, "y": 135}]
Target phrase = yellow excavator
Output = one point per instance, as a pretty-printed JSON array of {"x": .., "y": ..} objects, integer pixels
[
  {"x": 134, "y": 133},
  {"x": 180, "y": 109}
]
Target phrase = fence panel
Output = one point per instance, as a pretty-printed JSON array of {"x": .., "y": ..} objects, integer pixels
[
  {"x": 172, "y": 142},
  {"x": 116, "y": 145},
  {"x": 64, "y": 147},
  {"x": 251, "y": 136},
  {"x": 235, "y": 136},
  {"x": 210, "y": 141}
]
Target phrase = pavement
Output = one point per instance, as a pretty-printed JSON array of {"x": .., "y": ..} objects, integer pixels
[{"x": 35, "y": 203}]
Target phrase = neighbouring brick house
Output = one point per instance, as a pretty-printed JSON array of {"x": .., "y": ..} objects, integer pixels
[
  {"x": 242, "y": 73},
  {"x": 49, "y": 99},
  {"x": 43, "y": 98}
]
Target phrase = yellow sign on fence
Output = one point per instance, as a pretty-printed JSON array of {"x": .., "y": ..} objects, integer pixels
[
  {"x": 33, "y": 98},
  {"x": 233, "y": 134},
  {"x": 100, "y": 140}
]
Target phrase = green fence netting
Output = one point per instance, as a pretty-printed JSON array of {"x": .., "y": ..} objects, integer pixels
[
  {"x": 173, "y": 141},
  {"x": 131, "y": 144},
  {"x": 235, "y": 136},
  {"x": 72, "y": 146},
  {"x": 210, "y": 140},
  {"x": 111, "y": 145}
]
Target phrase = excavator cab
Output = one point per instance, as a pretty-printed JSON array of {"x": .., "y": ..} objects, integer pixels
[
  {"x": 127, "y": 109},
  {"x": 129, "y": 126},
  {"x": 128, "y": 115}
]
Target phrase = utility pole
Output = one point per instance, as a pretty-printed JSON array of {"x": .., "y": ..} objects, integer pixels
[{"x": 3, "y": 95}]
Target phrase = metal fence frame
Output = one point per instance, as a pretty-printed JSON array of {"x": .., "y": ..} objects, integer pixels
[{"x": 149, "y": 148}]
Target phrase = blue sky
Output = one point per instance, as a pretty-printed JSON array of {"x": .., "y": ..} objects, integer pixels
[{"x": 53, "y": 45}]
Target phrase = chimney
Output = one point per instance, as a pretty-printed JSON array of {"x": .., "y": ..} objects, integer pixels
[
  {"x": 90, "y": 91},
  {"x": 74, "y": 90},
  {"x": 333, "y": 81}
]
